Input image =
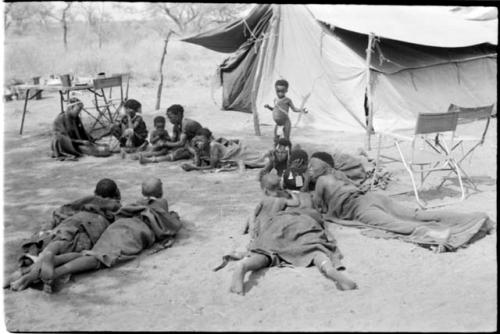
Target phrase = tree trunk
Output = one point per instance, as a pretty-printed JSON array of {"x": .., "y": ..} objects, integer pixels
[
  {"x": 162, "y": 61},
  {"x": 65, "y": 35}
]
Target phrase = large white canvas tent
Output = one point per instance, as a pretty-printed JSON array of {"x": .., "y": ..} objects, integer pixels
[{"x": 420, "y": 59}]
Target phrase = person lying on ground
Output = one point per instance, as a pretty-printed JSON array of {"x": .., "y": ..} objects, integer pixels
[
  {"x": 221, "y": 154},
  {"x": 275, "y": 200},
  {"x": 295, "y": 173},
  {"x": 136, "y": 227},
  {"x": 340, "y": 199},
  {"x": 289, "y": 233},
  {"x": 158, "y": 139},
  {"x": 277, "y": 158},
  {"x": 184, "y": 130},
  {"x": 76, "y": 227},
  {"x": 131, "y": 129},
  {"x": 71, "y": 140},
  {"x": 280, "y": 110}
]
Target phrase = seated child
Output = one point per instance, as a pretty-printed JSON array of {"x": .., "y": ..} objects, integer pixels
[
  {"x": 137, "y": 227},
  {"x": 131, "y": 130},
  {"x": 84, "y": 222},
  {"x": 280, "y": 110},
  {"x": 278, "y": 158},
  {"x": 158, "y": 139}
]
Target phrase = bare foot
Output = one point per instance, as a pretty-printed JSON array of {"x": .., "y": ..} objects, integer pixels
[
  {"x": 237, "y": 280},
  {"x": 47, "y": 267},
  {"x": 25, "y": 280},
  {"x": 346, "y": 284},
  {"x": 443, "y": 235}
]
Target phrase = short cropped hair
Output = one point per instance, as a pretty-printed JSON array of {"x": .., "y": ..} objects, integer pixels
[
  {"x": 132, "y": 104},
  {"x": 159, "y": 119},
  {"x": 175, "y": 109},
  {"x": 324, "y": 156},
  {"x": 107, "y": 188},
  {"x": 284, "y": 142},
  {"x": 204, "y": 132},
  {"x": 281, "y": 82}
]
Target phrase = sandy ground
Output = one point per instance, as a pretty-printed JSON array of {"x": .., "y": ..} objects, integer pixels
[{"x": 402, "y": 287}]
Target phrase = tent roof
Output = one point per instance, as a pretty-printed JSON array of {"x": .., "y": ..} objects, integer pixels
[{"x": 436, "y": 26}]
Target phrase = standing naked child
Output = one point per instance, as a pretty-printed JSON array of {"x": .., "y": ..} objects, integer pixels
[
  {"x": 297, "y": 237},
  {"x": 280, "y": 110},
  {"x": 137, "y": 227},
  {"x": 78, "y": 226}
]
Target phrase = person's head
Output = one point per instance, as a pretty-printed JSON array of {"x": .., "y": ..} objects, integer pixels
[
  {"x": 270, "y": 183},
  {"x": 159, "y": 122},
  {"x": 298, "y": 160},
  {"x": 202, "y": 138},
  {"x": 132, "y": 107},
  {"x": 175, "y": 113},
  {"x": 107, "y": 188},
  {"x": 325, "y": 156},
  {"x": 282, "y": 149},
  {"x": 152, "y": 187},
  {"x": 74, "y": 107},
  {"x": 319, "y": 164},
  {"x": 281, "y": 87}
]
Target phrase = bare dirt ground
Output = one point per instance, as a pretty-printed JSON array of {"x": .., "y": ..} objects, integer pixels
[{"x": 402, "y": 287}]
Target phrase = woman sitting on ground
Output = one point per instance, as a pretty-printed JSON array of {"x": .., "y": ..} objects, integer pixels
[
  {"x": 211, "y": 153},
  {"x": 131, "y": 130},
  {"x": 71, "y": 140}
]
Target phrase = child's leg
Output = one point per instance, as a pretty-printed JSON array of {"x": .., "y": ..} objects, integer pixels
[
  {"x": 46, "y": 262},
  {"x": 325, "y": 266},
  {"x": 276, "y": 137},
  {"x": 76, "y": 265},
  {"x": 287, "y": 129},
  {"x": 252, "y": 263}
]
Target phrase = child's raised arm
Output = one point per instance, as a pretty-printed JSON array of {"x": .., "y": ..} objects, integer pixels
[{"x": 295, "y": 109}]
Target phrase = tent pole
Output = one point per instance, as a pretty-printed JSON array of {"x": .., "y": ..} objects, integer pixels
[{"x": 369, "y": 126}]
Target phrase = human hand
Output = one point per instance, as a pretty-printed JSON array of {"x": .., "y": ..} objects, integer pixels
[
  {"x": 305, "y": 111},
  {"x": 268, "y": 106},
  {"x": 128, "y": 132}
]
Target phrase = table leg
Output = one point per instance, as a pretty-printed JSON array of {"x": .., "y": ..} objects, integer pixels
[{"x": 26, "y": 98}]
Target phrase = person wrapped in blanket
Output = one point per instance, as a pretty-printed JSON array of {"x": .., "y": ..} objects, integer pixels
[
  {"x": 342, "y": 201},
  {"x": 70, "y": 139},
  {"x": 285, "y": 229},
  {"x": 179, "y": 146},
  {"x": 136, "y": 227},
  {"x": 131, "y": 130},
  {"x": 221, "y": 154},
  {"x": 75, "y": 227}
]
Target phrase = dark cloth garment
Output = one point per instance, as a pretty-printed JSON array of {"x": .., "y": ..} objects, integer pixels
[
  {"x": 140, "y": 131},
  {"x": 273, "y": 163},
  {"x": 341, "y": 197},
  {"x": 380, "y": 212},
  {"x": 65, "y": 129},
  {"x": 295, "y": 237},
  {"x": 137, "y": 227},
  {"x": 293, "y": 180},
  {"x": 81, "y": 223},
  {"x": 351, "y": 166}
]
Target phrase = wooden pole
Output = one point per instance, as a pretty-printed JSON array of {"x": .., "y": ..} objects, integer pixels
[{"x": 368, "y": 91}]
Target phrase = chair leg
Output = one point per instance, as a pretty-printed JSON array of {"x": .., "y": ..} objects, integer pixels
[{"x": 410, "y": 171}]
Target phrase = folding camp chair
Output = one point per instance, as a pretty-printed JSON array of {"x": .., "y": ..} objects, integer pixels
[
  {"x": 106, "y": 106},
  {"x": 428, "y": 152},
  {"x": 468, "y": 116}
]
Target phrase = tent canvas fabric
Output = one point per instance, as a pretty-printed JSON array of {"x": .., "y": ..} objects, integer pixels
[{"x": 413, "y": 69}]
